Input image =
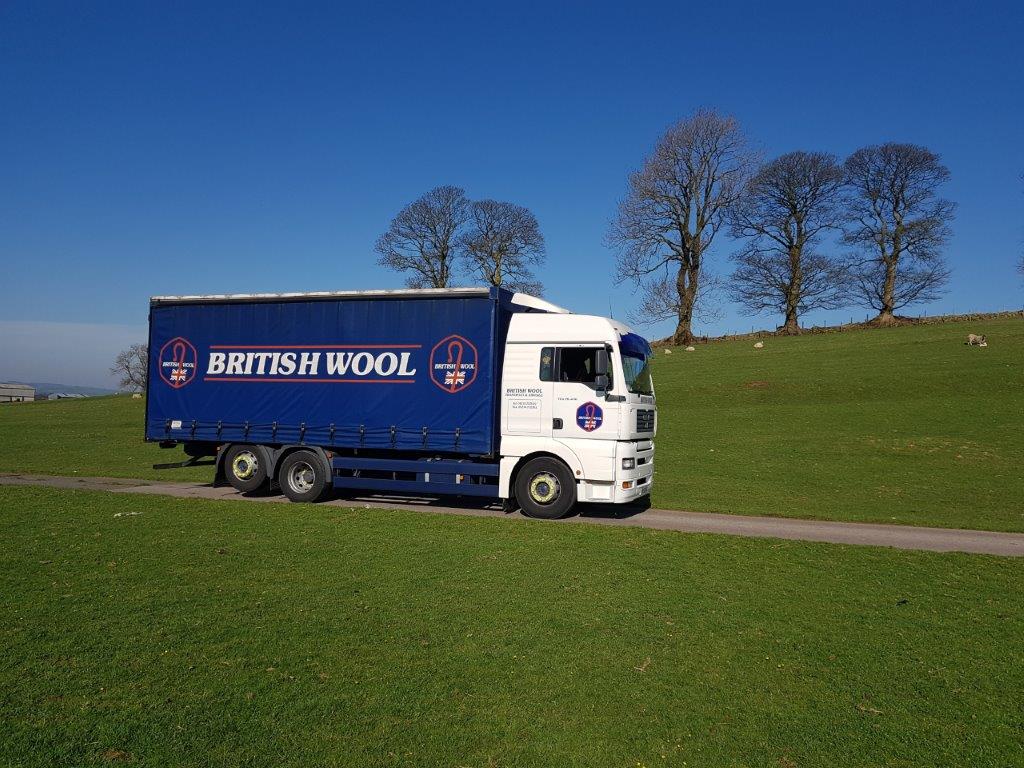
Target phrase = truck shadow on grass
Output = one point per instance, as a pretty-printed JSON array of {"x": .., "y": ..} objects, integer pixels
[
  {"x": 469, "y": 504},
  {"x": 613, "y": 511},
  {"x": 465, "y": 504}
]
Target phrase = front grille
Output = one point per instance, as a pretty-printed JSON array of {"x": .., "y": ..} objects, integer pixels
[{"x": 645, "y": 421}]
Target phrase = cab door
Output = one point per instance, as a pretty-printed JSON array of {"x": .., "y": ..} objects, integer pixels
[{"x": 580, "y": 410}]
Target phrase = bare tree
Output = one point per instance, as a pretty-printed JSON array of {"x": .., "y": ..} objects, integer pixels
[
  {"x": 501, "y": 245},
  {"x": 785, "y": 208},
  {"x": 674, "y": 206},
  {"x": 898, "y": 225},
  {"x": 131, "y": 366},
  {"x": 422, "y": 238},
  {"x": 660, "y": 301}
]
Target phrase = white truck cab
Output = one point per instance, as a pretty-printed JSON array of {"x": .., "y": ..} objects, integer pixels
[{"x": 576, "y": 388}]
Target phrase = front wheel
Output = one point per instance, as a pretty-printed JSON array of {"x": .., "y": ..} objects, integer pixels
[
  {"x": 303, "y": 477},
  {"x": 546, "y": 489}
]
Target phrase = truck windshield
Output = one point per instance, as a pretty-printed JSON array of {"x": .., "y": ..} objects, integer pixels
[
  {"x": 636, "y": 369},
  {"x": 637, "y": 373}
]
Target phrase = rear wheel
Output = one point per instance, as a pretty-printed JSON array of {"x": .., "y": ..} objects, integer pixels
[
  {"x": 546, "y": 489},
  {"x": 245, "y": 468},
  {"x": 303, "y": 477}
]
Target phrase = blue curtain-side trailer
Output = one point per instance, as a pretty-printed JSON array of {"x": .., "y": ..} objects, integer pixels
[{"x": 381, "y": 391}]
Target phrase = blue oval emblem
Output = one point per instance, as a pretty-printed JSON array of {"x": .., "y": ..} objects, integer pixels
[{"x": 589, "y": 416}]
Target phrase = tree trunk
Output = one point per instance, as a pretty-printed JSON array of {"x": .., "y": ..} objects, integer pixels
[
  {"x": 791, "y": 327},
  {"x": 887, "y": 314},
  {"x": 686, "y": 285}
]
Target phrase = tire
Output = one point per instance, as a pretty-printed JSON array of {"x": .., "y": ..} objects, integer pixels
[
  {"x": 545, "y": 489},
  {"x": 303, "y": 477},
  {"x": 245, "y": 468}
]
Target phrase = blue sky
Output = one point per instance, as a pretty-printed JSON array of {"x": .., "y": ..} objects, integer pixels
[{"x": 153, "y": 148}]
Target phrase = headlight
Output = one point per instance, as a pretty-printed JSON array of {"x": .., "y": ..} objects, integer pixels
[{"x": 628, "y": 463}]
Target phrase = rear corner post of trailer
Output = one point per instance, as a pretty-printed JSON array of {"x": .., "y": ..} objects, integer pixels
[{"x": 464, "y": 391}]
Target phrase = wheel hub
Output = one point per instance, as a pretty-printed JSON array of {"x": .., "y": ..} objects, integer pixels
[
  {"x": 301, "y": 477},
  {"x": 245, "y": 465},
  {"x": 544, "y": 488}
]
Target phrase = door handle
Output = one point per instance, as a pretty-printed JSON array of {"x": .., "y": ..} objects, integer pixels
[{"x": 556, "y": 423}]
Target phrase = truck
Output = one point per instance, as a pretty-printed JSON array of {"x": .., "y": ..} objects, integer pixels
[{"x": 477, "y": 392}]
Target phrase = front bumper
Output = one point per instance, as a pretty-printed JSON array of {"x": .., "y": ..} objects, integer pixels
[{"x": 629, "y": 484}]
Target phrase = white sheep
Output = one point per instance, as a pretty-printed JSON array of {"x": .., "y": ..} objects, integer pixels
[{"x": 759, "y": 345}]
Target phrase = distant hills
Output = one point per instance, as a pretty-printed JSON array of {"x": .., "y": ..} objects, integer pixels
[{"x": 48, "y": 387}]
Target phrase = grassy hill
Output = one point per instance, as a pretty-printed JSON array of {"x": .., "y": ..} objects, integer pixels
[{"x": 903, "y": 425}]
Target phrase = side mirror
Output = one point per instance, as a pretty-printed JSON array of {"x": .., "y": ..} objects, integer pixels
[{"x": 601, "y": 370}]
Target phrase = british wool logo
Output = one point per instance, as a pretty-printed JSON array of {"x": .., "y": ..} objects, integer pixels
[
  {"x": 589, "y": 416},
  {"x": 453, "y": 364},
  {"x": 178, "y": 362}
]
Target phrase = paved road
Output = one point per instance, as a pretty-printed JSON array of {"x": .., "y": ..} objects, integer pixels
[{"x": 869, "y": 534}]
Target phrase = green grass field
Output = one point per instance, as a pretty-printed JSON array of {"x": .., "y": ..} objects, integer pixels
[
  {"x": 97, "y": 436},
  {"x": 905, "y": 425},
  {"x": 160, "y": 632}
]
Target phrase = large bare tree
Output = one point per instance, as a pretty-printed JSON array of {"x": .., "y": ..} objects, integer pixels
[
  {"x": 784, "y": 210},
  {"x": 674, "y": 206},
  {"x": 501, "y": 245},
  {"x": 421, "y": 240},
  {"x": 131, "y": 366},
  {"x": 898, "y": 225}
]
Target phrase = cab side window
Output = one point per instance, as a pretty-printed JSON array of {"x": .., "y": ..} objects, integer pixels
[
  {"x": 577, "y": 364},
  {"x": 570, "y": 364},
  {"x": 547, "y": 364}
]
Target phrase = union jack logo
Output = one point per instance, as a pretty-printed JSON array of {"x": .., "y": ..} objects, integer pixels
[
  {"x": 455, "y": 378},
  {"x": 179, "y": 374}
]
